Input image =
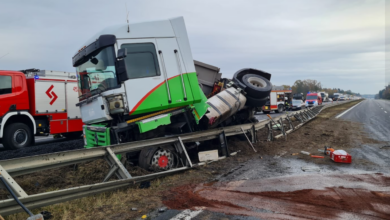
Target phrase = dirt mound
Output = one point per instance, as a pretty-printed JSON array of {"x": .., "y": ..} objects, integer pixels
[
  {"x": 367, "y": 201},
  {"x": 186, "y": 197}
]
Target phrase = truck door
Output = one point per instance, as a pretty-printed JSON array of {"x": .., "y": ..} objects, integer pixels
[
  {"x": 150, "y": 64},
  {"x": 7, "y": 98}
]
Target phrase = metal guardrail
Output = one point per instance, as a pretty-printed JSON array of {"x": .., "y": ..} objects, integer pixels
[{"x": 26, "y": 165}]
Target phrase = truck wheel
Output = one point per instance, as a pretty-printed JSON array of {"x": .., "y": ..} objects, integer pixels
[
  {"x": 266, "y": 112},
  {"x": 253, "y": 102},
  {"x": 72, "y": 135},
  {"x": 16, "y": 136},
  {"x": 257, "y": 86},
  {"x": 156, "y": 158},
  {"x": 280, "y": 109}
]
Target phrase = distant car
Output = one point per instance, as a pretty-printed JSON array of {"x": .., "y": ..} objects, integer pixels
[
  {"x": 342, "y": 98},
  {"x": 297, "y": 104}
]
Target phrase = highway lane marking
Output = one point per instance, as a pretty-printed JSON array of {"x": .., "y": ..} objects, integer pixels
[
  {"x": 338, "y": 116},
  {"x": 186, "y": 214}
]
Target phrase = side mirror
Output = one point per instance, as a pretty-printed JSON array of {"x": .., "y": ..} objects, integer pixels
[
  {"x": 122, "y": 53},
  {"x": 121, "y": 70}
]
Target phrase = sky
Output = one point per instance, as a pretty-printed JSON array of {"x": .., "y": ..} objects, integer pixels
[{"x": 340, "y": 43}]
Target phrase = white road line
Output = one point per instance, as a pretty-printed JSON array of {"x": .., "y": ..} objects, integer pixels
[
  {"x": 186, "y": 215},
  {"x": 386, "y": 112},
  {"x": 338, "y": 116}
]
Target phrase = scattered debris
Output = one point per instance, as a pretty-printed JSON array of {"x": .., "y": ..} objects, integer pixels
[
  {"x": 248, "y": 140},
  {"x": 305, "y": 152},
  {"x": 134, "y": 209},
  {"x": 308, "y": 169},
  {"x": 384, "y": 146},
  {"x": 144, "y": 185},
  {"x": 328, "y": 150},
  {"x": 46, "y": 215},
  {"x": 162, "y": 209},
  {"x": 144, "y": 216},
  {"x": 294, "y": 154},
  {"x": 315, "y": 156}
]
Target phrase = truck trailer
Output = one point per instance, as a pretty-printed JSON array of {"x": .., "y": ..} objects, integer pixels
[
  {"x": 34, "y": 102},
  {"x": 138, "y": 81}
]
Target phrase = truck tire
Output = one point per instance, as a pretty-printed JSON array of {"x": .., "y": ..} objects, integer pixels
[
  {"x": 156, "y": 158},
  {"x": 280, "y": 109},
  {"x": 16, "y": 136},
  {"x": 266, "y": 112},
  {"x": 73, "y": 135},
  {"x": 253, "y": 102},
  {"x": 257, "y": 86}
]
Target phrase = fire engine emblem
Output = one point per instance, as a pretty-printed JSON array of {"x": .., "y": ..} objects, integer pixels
[
  {"x": 75, "y": 89},
  {"x": 51, "y": 95}
]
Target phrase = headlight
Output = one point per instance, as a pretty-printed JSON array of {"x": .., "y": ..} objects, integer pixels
[{"x": 116, "y": 104}]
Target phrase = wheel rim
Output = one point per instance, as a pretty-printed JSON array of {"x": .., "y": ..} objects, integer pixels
[
  {"x": 257, "y": 82},
  {"x": 20, "y": 137},
  {"x": 162, "y": 159}
]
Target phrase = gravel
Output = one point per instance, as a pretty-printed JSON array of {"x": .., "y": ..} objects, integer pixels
[{"x": 42, "y": 149}]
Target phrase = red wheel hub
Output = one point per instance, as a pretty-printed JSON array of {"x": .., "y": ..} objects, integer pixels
[{"x": 163, "y": 161}]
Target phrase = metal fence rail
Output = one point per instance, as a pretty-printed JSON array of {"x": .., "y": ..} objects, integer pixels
[{"x": 26, "y": 165}]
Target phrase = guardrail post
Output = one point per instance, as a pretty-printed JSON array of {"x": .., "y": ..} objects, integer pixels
[
  {"x": 282, "y": 128},
  {"x": 270, "y": 132},
  {"x": 298, "y": 117},
  {"x": 116, "y": 166},
  {"x": 11, "y": 183},
  {"x": 254, "y": 134},
  {"x": 224, "y": 144},
  {"x": 290, "y": 122},
  {"x": 307, "y": 115}
]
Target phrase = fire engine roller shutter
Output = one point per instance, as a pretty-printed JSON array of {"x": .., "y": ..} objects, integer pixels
[
  {"x": 49, "y": 96},
  {"x": 71, "y": 100}
]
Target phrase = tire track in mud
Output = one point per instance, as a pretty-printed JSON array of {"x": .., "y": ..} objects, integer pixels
[{"x": 360, "y": 196}]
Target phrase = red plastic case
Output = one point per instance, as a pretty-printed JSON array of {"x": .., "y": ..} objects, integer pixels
[{"x": 341, "y": 156}]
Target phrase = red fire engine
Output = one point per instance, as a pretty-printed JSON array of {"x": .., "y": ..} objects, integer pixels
[{"x": 36, "y": 102}]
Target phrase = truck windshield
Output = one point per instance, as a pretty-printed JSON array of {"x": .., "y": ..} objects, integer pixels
[
  {"x": 97, "y": 74},
  {"x": 311, "y": 97}
]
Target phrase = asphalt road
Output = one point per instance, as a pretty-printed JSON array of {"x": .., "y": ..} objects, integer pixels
[
  {"x": 375, "y": 115},
  {"x": 261, "y": 117}
]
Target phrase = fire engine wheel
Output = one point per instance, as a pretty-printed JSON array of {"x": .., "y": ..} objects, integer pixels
[
  {"x": 16, "y": 136},
  {"x": 156, "y": 158},
  {"x": 280, "y": 109},
  {"x": 257, "y": 86},
  {"x": 266, "y": 112},
  {"x": 255, "y": 102}
]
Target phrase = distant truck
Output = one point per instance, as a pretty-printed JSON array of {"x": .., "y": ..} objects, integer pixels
[
  {"x": 277, "y": 100},
  {"x": 325, "y": 96},
  {"x": 36, "y": 102},
  {"x": 336, "y": 96}
]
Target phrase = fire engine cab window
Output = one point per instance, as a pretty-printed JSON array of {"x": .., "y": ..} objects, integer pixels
[
  {"x": 311, "y": 97},
  {"x": 141, "y": 60},
  {"x": 5, "y": 85}
]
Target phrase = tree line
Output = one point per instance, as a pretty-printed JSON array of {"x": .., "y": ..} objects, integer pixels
[
  {"x": 311, "y": 85},
  {"x": 384, "y": 93}
]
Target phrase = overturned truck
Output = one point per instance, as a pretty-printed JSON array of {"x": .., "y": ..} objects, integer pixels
[{"x": 138, "y": 81}]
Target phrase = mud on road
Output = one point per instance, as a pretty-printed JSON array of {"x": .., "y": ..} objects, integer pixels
[{"x": 210, "y": 186}]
